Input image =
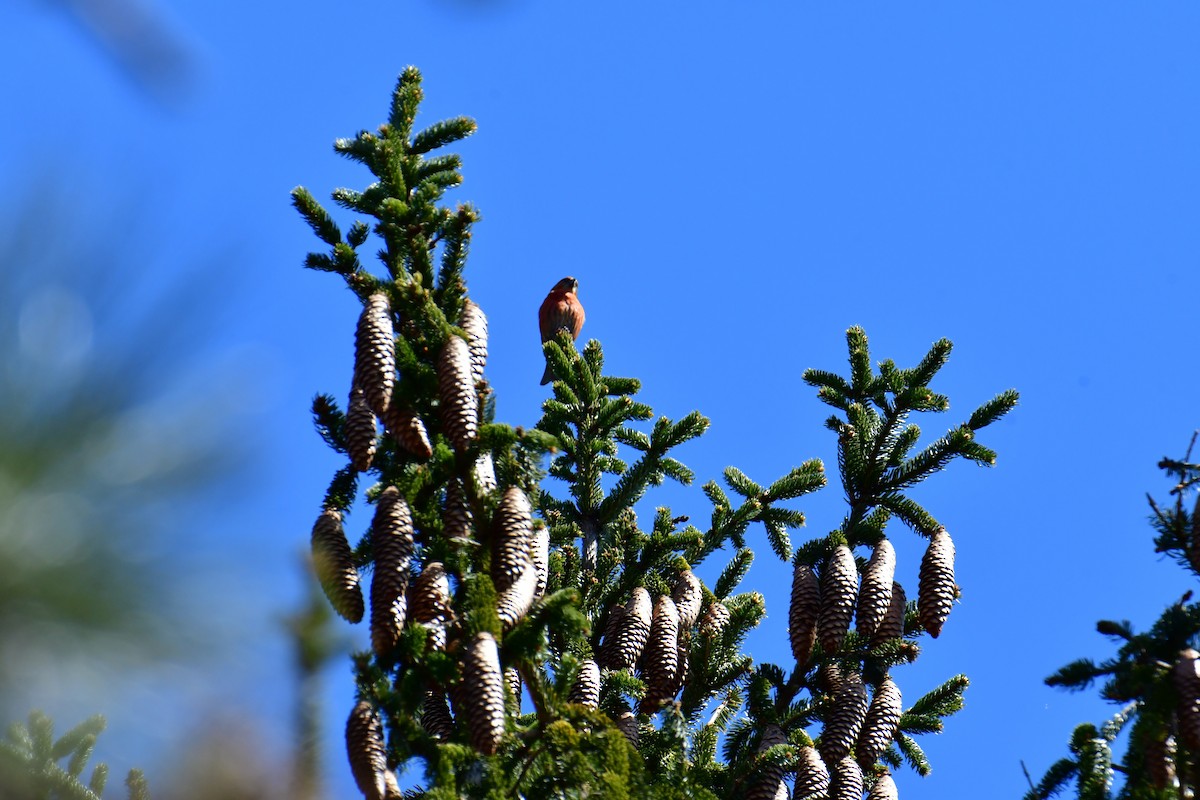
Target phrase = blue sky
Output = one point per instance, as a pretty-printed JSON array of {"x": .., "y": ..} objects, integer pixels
[{"x": 733, "y": 185}]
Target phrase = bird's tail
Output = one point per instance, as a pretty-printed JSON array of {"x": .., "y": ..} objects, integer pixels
[{"x": 548, "y": 375}]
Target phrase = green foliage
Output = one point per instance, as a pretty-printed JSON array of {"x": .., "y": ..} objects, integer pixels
[{"x": 30, "y": 756}]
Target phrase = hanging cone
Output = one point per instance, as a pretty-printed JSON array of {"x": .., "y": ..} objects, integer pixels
[
  {"x": 512, "y": 680},
  {"x": 485, "y": 474},
  {"x": 392, "y": 543},
  {"x": 884, "y": 788},
  {"x": 634, "y": 631},
  {"x": 368, "y": 758},
  {"x": 812, "y": 777},
  {"x": 375, "y": 353},
  {"x": 627, "y": 724},
  {"x": 460, "y": 404},
  {"x": 681, "y": 669},
  {"x": 661, "y": 655},
  {"x": 512, "y": 538},
  {"x": 715, "y": 620},
  {"x": 475, "y": 324},
  {"x": 407, "y": 429},
  {"x": 688, "y": 596},
  {"x": 769, "y": 781},
  {"x": 360, "y": 430},
  {"x": 334, "y": 564},
  {"x": 541, "y": 560},
  {"x": 429, "y": 603},
  {"x": 803, "y": 613},
  {"x": 875, "y": 593},
  {"x": 612, "y": 627},
  {"x": 829, "y": 677},
  {"x": 879, "y": 728},
  {"x": 586, "y": 689},
  {"x": 482, "y": 693},
  {"x": 839, "y": 590},
  {"x": 1185, "y": 676},
  {"x": 847, "y": 781},
  {"x": 1160, "y": 761},
  {"x": 1193, "y": 538},
  {"x": 515, "y": 601},
  {"x": 892, "y": 624},
  {"x": 937, "y": 590},
  {"x": 845, "y": 720},
  {"x": 456, "y": 516},
  {"x": 435, "y": 716}
]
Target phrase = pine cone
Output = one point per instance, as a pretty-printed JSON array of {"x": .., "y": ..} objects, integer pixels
[
  {"x": 769, "y": 782},
  {"x": 586, "y": 689},
  {"x": 612, "y": 627},
  {"x": 456, "y": 518},
  {"x": 541, "y": 560},
  {"x": 661, "y": 655},
  {"x": 812, "y": 777},
  {"x": 1159, "y": 757},
  {"x": 482, "y": 693},
  {"x": 1193, "y": 538},
  {"x": 681, "y": 669},
  {"x": 715, "y": 620},
  {"x": 829, "y": 678},
  {"x": 839, "y": 590},
  {"x": 515, "y": 601},
  {"x": 392, "y": 542},
  {"x": 847, "y": 783},
  {"x": 512, "y": 679},
  {"x": 879, "y": 728},
  {"x": 485, "y": 474},
  {"x": 892, "y": 624},
  {"x": 1185, "y": 676},
  {"x": 460, "y": 404},
  {"x": 803, "y": 612},
  {"x": 875, "y": 593},
  {"x": 368, "y": 758},
  {"x": 334, "y": 564},
  {"x": 845, "y": 720},
  {"x": 429, "y": 603},
  {"x": 475, "y": 324},
  {"x": 634, "y": 631},
  {"x": 512, "y": 538},
  {"x": 884, "y": 788},
  {"x": 688, "y": 596},
  {"x": 435, "y": 716},
  {"x": 375, "y": 353},
  {"x": 627, "y": 724},
  {"x": 360, "y": 430},
  {"x": 937, "y": 590},
  {"x": 408, "y": 430}
]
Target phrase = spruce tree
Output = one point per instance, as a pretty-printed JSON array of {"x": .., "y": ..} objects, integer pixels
[
  {"x": 1154, "y": 677},
  {"x": 530, "y": 643}
]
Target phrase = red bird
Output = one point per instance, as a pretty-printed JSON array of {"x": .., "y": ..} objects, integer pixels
[{"x": 560, "y": 311}]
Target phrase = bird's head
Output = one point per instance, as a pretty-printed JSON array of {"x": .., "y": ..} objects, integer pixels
[{"x": 567, "y": 284}]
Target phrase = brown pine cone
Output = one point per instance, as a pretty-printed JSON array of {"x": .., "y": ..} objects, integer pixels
[
  {"x": 586, "y": 689},
  {"x": 512, "y": 679},
  {"x": 875, "y": 593},
  {"x": 845, "y": 720},
  {"x": 435, "y": 716},
  {"x": 681, "y": 669},
  {"x": 612, "y": 627},
  {"x": 456, "y": 516},
  {"x": 375, "y": 353},
  {"x": 715, "y": 620},
  {"x": 512, "y": 538},
  {"x": 661, "y": 655},
  {"x": 803, "y": 613},
  {"x": 829, "y": 677},
  {"x": 392, "y": 542},
  {"x": 541, "y": 560},
  {"x": 515, "y": 601},
  {"x": 937, "y": 590},
  {"x": 892, "y": 624},
  {"x": 368, "y": 757},
  {"x": 360, "y": 430},
  {"x": 627, "y": 724},
  {"x": 407, "y": 429},
  {"x": 429, "y": 603},
  {"x": 812, "y": 777},
  {"x": 839, "y": 590},
  {"x": 847, "y": 780},
  {"x": 482, "y": 693},
  {"x": 769, "y": 782},
  {"x": 884, "y": 788},
  {"x": 485, "y": 474},
  {"x": 1159, "y": 756},
  {"x": 688, "y": 596},
  {"x": 1185, "y": 676},
  {"x": 460, "y": 404},
  {"x": 879, "y": 728},
  {"x": 634, "y": 631},
  {"x": 475, "y": 324},
  {"x": 334, "y": 564}
]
